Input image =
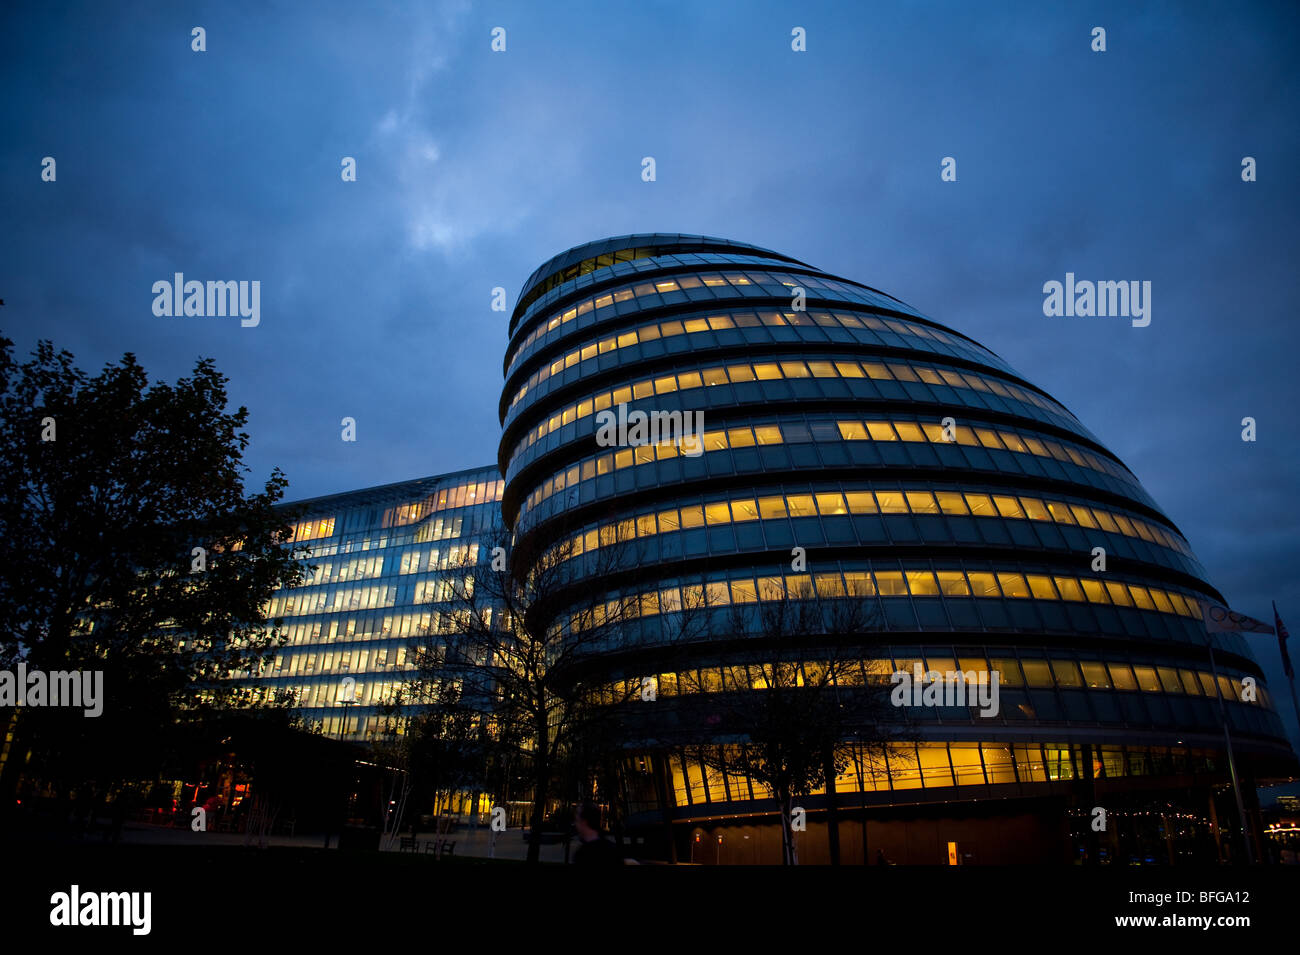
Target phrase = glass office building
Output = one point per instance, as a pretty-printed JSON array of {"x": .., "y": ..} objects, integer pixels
[
  {"x": 382, "y": 557},
  {"x": 916, "y": 471}
]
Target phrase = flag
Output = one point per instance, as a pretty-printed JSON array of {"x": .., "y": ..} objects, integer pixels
[
  {"x": 1282, "y": 636},
  {"x": 1219, "y": 619}
]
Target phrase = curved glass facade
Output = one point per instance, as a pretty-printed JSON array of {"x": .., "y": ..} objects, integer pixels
[{"x": 916, "y": 470}]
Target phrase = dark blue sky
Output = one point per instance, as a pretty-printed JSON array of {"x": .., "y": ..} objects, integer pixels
[{"x": 474, "y": 167}]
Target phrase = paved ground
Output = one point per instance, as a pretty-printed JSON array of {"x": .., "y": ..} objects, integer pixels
[{"x": 507, "y": 845}]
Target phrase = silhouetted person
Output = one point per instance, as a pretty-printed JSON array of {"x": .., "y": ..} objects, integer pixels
[{"x": 593, "y": 848}]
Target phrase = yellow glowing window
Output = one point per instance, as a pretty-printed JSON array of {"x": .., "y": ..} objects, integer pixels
[
  {"x": 1161, "y": 600},
  {"x": 1141, "y": 597},
  {"x": 665, "y": 385},
  {"x": 999, "y": 388},
  {"x": 715, "y": 441},
  {"x": 671, "y": 328},
  {"x": 1095, "y": 675},
  {"x": 605, "y": 301},
  {"x": 644, "y": 453},
  {"x": 1056, "y": 451},
  {"x": 965, "y": 436},
  {"x": 891, "y": 584},
  {"x": 666, "y": 286},
  {"x": 714, "y": 376},
  {"x": 601, "y": 402},
  {"x": 1008, "y": 506},
  {"x": 891, "y": 502},
  {"x": 953, "y": 583},
  {"x": 643, "y": 389},
  {"x": 1037, "y": 673},
  {"x": 1041, "y": 587},
  {"x": 933, "y": 432},
  {"x": 744, "y": 510},
  {"x": 771, "y": 318},
  {"x": 1118, "y": 594},
  {"x": 716, "y": 593},
  {"x": 822, "y": 369},
  {"x": 976, "y": 382},
  {"x": 1207, "y": 683},
  {"x": 1180, "y": 604},
  {"x": 848, "y": 321},
  {"x": 1013, "y": 442},
  {"x": 717, "y": 322},
  {"x": 831, "y": 504},
  {"x": 1094, "y": 591},
  {"x": 1008, "y": 671},
  {"x": 626, "y": 339},
  {"x": 668, "y": 521},
  {"x": 902, "y": 372},
  {"x": 1060, "y": 512},
  {"x": 950, "y": 502},
  {"x": 665, "y": 450},
  {"x": 1067, "y": 673},
  {"x": 852, "y": 430},
  {"x": 768, "y": 434},
  {"x": 859, "y": 584},
  {"x": 795, "y": 369},
  {"x": 909, "y": 431},
  {"x": 692, "y": 516},
  {"x": 1013, "y": 585},
  {"x": 830, "y": 585},
  {"x": 1069, "y": 588},
  {"x": 953, "y": 379},
  {"x": 1083, "y": 515},
  {"x": 861, "y": 502},
  {"x": 1076, "y": 457},
  {"x": 588, "y": 351},
  {"x": 981, "y": 505},
  {"x": 588, "y": 470},
  {"x": 739, "y": 280},
  {"x": 740, "y": 372},
  {"x": 690, "y": 379},
  {"x": 849, "y": 369},
  {"x": 645, "y": 525},
  {"x": 771, "y": 507},
  {"x": 1125, "y": 525},
  {"x": 767, "y": 371},
  {"x": 1121, "y": 676},
  {"x": 622, "y": 395},
  {"x": 929, "y": 376},
  {"x": 1035, "y": 509},
  {"x": 569, "y": 415},
  {"x": 717, "y": 513},
  {"x": 1144, "y": 531},
  {"x": 694, "y": 325},
  {"x": 1036, "y": 447},
  {"x": 1147, "y": 679},
  {"x": 801, "y": 505},
  {"x": 876, "y": 370},
  {"x": 743, "y": 591},
  {"x": 922, "y": 583},
  {"x": 881, "y": 431},
  {"x": 988, "y": 438},
  {"x": 922, "y": 502},
  {"x": 740, "y": 438},
  {"x": 771, "y": 588},
  {"x": 1105, "y": 521},
  {"x": 605, "y": 464},
  {"x": 649, "y": 333},
  {"x": 622, "y": 459}
]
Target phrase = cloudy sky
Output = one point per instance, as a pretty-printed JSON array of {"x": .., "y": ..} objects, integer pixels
[{"x": 475, "y": 166}]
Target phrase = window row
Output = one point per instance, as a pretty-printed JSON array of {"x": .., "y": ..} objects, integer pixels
[
  {"x": 1040, "y": 673},
  {"x": 932, "y": 765},
  {"x": 745, "y": 436},
  {"x": 832, "y": 503},
  {"x": 868, "y": 584},
  {"x": 729, "y": 281},
  {"x": 462, "y": 495},
  {"x": 741, "y": 372},
  {"x": 860, "y": 325}
]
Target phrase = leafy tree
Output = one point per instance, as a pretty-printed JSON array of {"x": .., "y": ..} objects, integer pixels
[{"x": 129, "y": 546}]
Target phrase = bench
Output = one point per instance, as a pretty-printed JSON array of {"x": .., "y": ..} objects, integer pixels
[
  {"x": 441, "y": 848},
  {"x": 405, "y": 843}
]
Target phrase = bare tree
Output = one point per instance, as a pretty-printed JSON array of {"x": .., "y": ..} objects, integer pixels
[
  {"x": 799, "y": 707},
  {"x": 517, "y": 632}
]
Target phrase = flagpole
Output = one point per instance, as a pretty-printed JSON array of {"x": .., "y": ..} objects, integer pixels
[
  {"x": 1232, "y": 762},
  {"x": 1286, "y": 661}
]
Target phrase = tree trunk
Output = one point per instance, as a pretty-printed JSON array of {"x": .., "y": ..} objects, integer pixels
[
  {"x": 541, "y": 781},
  {"x": 832, "y": 811}
]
